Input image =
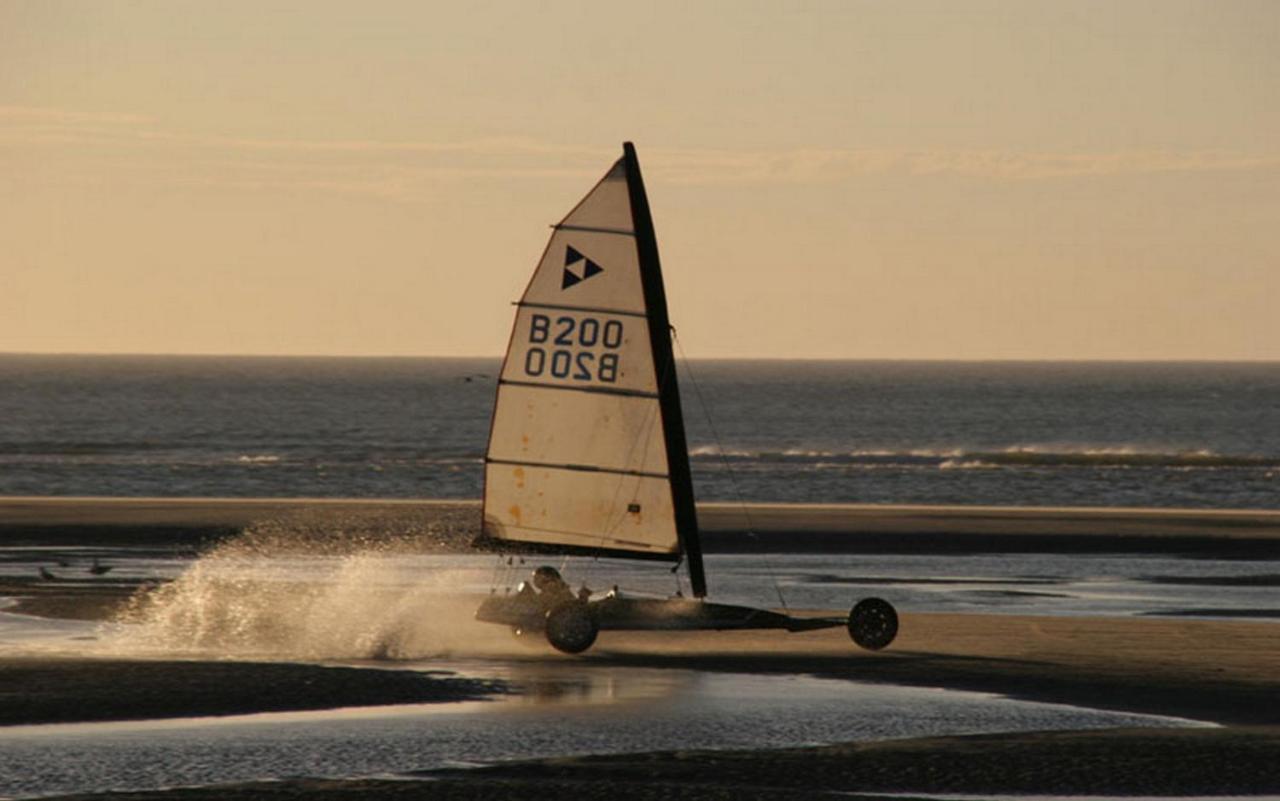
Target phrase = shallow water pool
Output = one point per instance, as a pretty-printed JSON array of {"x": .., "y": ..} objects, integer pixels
[{"x": 562, "y": 709}]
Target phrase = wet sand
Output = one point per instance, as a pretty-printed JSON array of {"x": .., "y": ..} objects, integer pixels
[
  {"x": 192, "y": 523},
  {"x": 1112, "y": 763},
  {"x": 66, "y": 690},
  {"x": 1226, "y": 672}
]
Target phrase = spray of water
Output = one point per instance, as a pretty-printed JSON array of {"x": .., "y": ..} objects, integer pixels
[{"x": 317, "y": 588}]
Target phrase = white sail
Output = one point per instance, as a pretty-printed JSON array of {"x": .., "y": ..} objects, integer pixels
[{"x": 577, "y": 454}]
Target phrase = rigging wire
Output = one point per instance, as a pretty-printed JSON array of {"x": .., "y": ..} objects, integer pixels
[
  {"x": 497, "y": 568},
  {"x": 724, "y": 461}
]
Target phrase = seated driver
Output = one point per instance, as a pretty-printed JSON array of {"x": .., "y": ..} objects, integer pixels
[{"x": 551, "y": 588}]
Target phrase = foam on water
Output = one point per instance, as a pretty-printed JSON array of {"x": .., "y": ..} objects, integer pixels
[{"x": 1152, "y": 435}]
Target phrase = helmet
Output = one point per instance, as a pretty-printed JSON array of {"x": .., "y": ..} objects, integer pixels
[{"x": 546, "y": 576}]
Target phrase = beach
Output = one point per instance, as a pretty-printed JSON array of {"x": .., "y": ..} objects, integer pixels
[
  {"x": 741, "y": 527},
  {"x": 1220, "y": 672}
]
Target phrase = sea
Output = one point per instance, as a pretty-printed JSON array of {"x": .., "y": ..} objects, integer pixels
[
  {"x": 1189, "y": 435},
  {"x": 1030, "y": 434}
]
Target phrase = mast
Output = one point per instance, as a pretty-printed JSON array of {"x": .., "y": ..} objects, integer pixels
[{"x": 664, "y": 364}]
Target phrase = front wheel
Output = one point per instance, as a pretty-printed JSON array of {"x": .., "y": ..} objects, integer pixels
[
  {"x": 571, "y": 627},
  {"x": 873, "y": 623}
]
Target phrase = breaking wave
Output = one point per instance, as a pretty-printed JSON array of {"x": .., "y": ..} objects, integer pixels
[{"x": 1010, "y": 457}]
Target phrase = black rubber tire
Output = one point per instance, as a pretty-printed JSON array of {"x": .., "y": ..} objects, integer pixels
[
  {"x": 873, "y": 623},
  {"x": 571, "y": 627}
]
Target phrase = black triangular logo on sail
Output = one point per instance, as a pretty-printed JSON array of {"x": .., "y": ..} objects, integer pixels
[{"x": 571, "y": 257}]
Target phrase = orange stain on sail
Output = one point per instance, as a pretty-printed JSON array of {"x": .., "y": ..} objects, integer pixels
[
  {"x": 519, "y": 475},
  {"x": 515, "y": 513}
]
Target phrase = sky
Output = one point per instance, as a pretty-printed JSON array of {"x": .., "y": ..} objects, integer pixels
[{"x": 870, "y": 180}]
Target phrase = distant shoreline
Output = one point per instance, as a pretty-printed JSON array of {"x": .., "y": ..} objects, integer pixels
[
  {"x": 726, "y": 528},
  {"x": 497, "y": 357}
]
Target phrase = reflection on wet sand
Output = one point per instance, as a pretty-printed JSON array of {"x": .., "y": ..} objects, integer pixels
[
  {"x": 557, "y": 710},
  {"x": 549, "y": 686},
  {"x": 296, "y": 612}
]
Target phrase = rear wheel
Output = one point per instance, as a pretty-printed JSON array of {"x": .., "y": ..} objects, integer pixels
[
  {"x": 571, "y": 627},
  {"x": 873, "y": 623}
]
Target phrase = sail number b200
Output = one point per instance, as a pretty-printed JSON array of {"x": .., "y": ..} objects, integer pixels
[{"x": 567, "y": 355}]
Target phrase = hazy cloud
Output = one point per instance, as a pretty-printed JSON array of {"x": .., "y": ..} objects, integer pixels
[
  {"x": 808, "y": 166},
  {"x": 38, "y": 114},
  {"x": 393, "y": 168}
]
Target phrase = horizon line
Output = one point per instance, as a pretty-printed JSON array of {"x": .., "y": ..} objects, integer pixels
[{"x": 495, "y": 357}]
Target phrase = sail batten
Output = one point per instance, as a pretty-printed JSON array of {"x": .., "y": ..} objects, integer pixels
[
  {"x": 625, "y": 393},
  {"x": 586, "y": 468},
  {"x": 623, "y": 312},
  {"x": 580, "y": 449},
  {"x": 619, "y": 232}
]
